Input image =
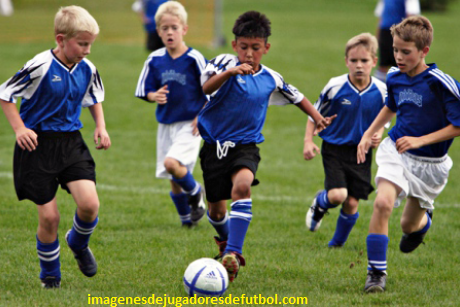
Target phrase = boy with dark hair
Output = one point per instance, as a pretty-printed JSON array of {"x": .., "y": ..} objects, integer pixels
[
  {"x": 413, "y": 161},
  {"x": 171, "y": 78},
  {"x": 241, "y": 89},
  {"x": 356, "y": 98},
  {"x": 50, "y": 150}
]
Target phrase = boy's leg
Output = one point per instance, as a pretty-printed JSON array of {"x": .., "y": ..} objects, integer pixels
[
  {"x": 180, "y": 200},
  {"x": 377, "y": 240},
  {"x": 323, "y": 201},
  {"x": 345, "y": 222},
  {"x": 195, "y": 193},
  {"x": 48, "y": 248},
  {"x": 218, "y": 217},
  {"x": 240, "y": 218},
  {"x": 84, "y": 222},
  {"x": 415, "y": 222}
]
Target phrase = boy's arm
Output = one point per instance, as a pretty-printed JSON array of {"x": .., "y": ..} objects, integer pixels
[
  {"x": 408, "y": 142},
  {"x": 216, "y": 81},
  {"x": 379, "y": 122},
  {"x": 309, "y": 147},
  {"x": 309, "y": 109},
  {"x": 26, "y": 138},
  {"x": 101, "y": 137},
  {"x": 377, "y": 138},
  {"x": 159, "y": 96}
]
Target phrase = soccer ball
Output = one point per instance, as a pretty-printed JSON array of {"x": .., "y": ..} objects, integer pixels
[{"x": 205, "y": 277}]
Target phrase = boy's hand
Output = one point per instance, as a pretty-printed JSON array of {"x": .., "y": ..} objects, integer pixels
[
  {"x": 407, "y": 143},
  {"x": 101, "y": 139},
  {"x": 243, "y": 69},
  {"x": 363, "y": 148},
  {"x": 376, "y": 139},
  {"x": 322, "y": 123},
  {"x": 194, "y": 124},
  {"x": 159, "y": 96},
  {"x": 309, "y": 149},
  {"x": 27, "y": 139}
]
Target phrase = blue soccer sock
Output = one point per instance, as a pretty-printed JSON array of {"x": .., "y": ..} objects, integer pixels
[
  {"x": 220, "y": 226},
  {"x": 181, "y": 203},
  {"x": 188, "y": 184},
  {"x": 345, "y": 224},
  {"x": 323, "y": 201},
  {"x": 427, "y": 226},
  {"x": 49, "y": 254},
  {"x": 80, "y": 233},
  {"x": 240, "y": 218},
  {"x": 377, "y": 245}
]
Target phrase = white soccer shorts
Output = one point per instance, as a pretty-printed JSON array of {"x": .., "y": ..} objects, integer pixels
[
  {"x": 420, "y": 177},
  {"x": 176, "y": 141}
]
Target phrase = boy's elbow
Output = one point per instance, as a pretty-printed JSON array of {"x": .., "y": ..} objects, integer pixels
[{"x": 207, "y": 90}]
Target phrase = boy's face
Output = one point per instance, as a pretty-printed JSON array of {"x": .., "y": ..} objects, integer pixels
[
  {"x": 410, "y": 60},
  {"x": 360, "y": 63},
  {"x": 171, "y": 30},
  {"x": 75, "y": 49},
  {"x": 250, "y": 50}
]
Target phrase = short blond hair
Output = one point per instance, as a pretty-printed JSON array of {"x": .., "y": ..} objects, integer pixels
[
  {"x": 173, "y": 8},
  {"x": 71, "y": 20},
  {"x": 367, "y": 40},
  {"x": 417, "y": 29}
]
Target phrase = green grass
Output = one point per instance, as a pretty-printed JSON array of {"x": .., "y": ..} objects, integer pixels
[{"x": 141, "y": 248}]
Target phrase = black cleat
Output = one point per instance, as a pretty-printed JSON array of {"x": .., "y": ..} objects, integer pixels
[
  {"x": 197, "y": 206},
  {"x": 409, "y": 242},
  {"x": 375, "y": 282},
  {"x": 51, "y": 282},
  {"x": 85, "y": 259},
  {"x": 315, "y": 215}
]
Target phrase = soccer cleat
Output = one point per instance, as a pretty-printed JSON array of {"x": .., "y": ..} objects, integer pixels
[
  {"x": 375, "y": 282},
  {"x": 51, "y": 282},
  {"x": 409, "y": 242},
  {"x": 222, "y": 245},
  {"x": 85, "y": 259},
  {"x": 197, "y": 205},
  {"x": 315, "y": 215},
  {"x": 232, "y": 262}
]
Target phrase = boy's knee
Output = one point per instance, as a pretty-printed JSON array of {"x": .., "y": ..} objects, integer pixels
[
  {"x": 241, "y": 191},
  {"x": 383, "y": 205},
  {"x": 350, "y": 206},
  {"x": 337, "y": 196},
  {"x": 88, "y": 209},
  {"x": 50, "y": 221},
  {"x": 171, "y": 165},
  {"x": 217, "y": 212}
]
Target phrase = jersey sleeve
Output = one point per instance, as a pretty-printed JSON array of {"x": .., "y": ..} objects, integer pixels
[
  {"x": 379, "y": 9},
  {"x": 25, "y": 82},
  {"x": 389, "y": 98},
  {"x": 146, "y": 82},
  {"x": 450, "y": 96},
  {"x": 322, "y": 100},
  {"x": 218, "y": 65},
  {"x": 95, "y": 93},
  {"x": 284, "y": 93}
]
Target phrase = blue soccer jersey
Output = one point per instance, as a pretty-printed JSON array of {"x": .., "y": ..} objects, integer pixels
[
  {"x": 393, "y": 12},
  {"x": 182, "y": 75},
  {"x": 356, "y": 110},
  {"x": 237, "y": 110},
  {"x": 423, "y": 104},
  {"x": 53, "y": 94}
]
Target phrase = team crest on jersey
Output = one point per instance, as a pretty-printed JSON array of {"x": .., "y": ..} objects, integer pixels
[
  {"x": 408, "y": 95},
  {"x": 171, "y": 75},
  {"x": 240, "y": 80},
  {"x": 346, "y": 102},
  {"x": 56, "y": 78}
]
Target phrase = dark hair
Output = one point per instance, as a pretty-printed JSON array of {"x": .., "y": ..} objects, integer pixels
[{"x": 252, "y": 24}]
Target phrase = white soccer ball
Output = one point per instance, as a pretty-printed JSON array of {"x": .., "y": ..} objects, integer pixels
[{"x": 205, "y": 277}]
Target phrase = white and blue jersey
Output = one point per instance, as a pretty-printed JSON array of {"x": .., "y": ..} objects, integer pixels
[
  {"x": 392, "y": 12},
  {"x": 182, "y": 75},
  {"x": 53, "y": 94},
  {"x": 356, "y": 110},
  {"x": 236, "y": 111},
  {"x": 425, "y": 103}
]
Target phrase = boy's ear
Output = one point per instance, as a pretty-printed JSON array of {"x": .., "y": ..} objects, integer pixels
[
  {"x": 425, "y": 51},
  {"x": 267, "y": 47},
  {"x": 234, "y": 45},
  {"x": 60, "y": 38},
  {"x": 185, "y": 27}
]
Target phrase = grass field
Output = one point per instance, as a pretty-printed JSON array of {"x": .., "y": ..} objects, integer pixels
[{"x": 140, "y": 247}]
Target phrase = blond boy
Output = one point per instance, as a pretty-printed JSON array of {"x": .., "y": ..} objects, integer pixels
[
  {"x": 356, "y": 98},
  {"x": 50, "y": 150}
]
